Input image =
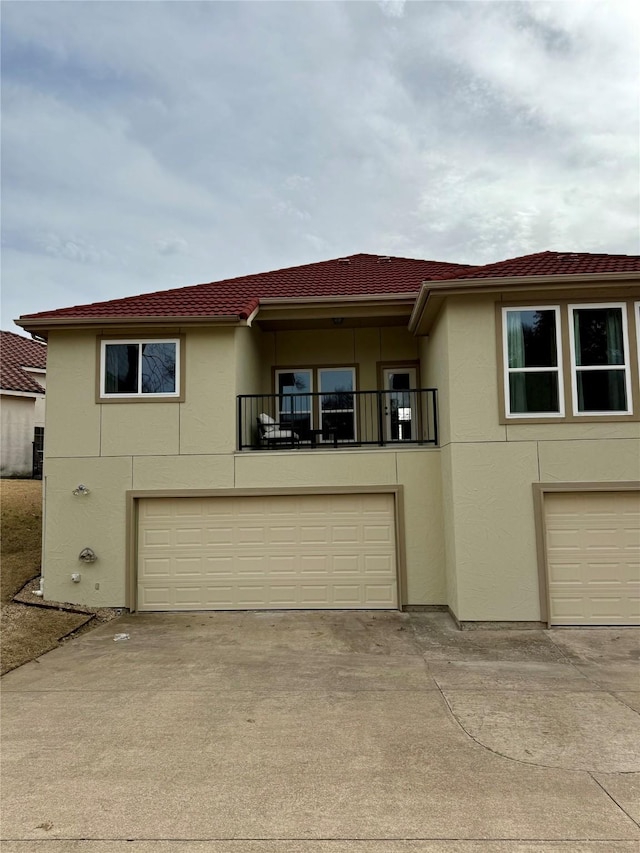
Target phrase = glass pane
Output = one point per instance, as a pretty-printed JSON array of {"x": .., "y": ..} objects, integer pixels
[
  {"x": 601, "y": 391},
  {"x": 533, "y": 392},
  {"x": 121, "y": 369},
  {"x": 598, "y": 336},
  {"x": 158, "y": 368},
  {"x": 294, "y": 385},
  {"x": 338, "y": 424},
  {"x": 336, "y": 386},
  {"x": 531, "y": 338},
  {"x": 399, "y": 381},
  {"x": 401, "y": 416}
]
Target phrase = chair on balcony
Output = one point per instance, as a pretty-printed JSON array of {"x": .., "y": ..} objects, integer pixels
[{"x": 271, "y": 433}]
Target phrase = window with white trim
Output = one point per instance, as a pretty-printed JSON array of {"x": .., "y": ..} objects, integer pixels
[
  {"x": 140, "y": 368},
  {"x": 533, "y": 367},
  {"x": 599, "y": 345}
]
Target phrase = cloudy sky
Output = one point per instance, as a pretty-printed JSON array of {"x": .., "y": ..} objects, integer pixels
[{"x": 149, "y": 145}]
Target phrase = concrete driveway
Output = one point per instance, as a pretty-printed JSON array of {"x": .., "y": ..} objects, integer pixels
[{"x": 322, "y": 733}]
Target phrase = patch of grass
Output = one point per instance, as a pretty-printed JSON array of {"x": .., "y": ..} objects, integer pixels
[
  {"x": 21, "y": 521},
  {"x": 28, "y": 632}
]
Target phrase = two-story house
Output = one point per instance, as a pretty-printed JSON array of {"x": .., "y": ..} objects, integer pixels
[{"x": 366, "y": 432}]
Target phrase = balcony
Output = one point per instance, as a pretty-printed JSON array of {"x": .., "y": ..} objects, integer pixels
[{"x": 338, "y": 419}]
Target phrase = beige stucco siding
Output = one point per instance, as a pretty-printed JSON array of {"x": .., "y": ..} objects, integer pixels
[
  {"x": 312, "y": 468},
  {"x": 448, "y": 530},
  {"x": 319, "y": 346},
  {"x": 208, "y": 414},
  {"x": 420, "y": 475},
  {"x": 434, "y": 364},
  {"x": 596, "y": 461},
  {"x": 573, "y": 431},
  {"x": 97, "y": 521},
  {"x": 184, "y": 472},
  {"x": 495, "y": 543},
  {"x": 472, "y": 391},
  {"x": 140, "y": 429},
  {"x": 252, "y": 374},
  {"x": 367, "y": 355},
  {"x": 366, "y": 347},
  {"x": 72, "y": 424},
  {"x": 397, "y": 343}
]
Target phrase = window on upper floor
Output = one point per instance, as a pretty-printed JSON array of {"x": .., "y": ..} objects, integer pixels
[
  {"x": 569, "y": 361},
  {"x": 330, "y": 410},
  {"x": 599, "y": 359},
  {"x": 533, "y": 375},
  {"x": 140, "y": 369}
]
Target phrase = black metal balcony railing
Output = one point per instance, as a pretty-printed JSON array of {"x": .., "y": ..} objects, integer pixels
[{"x": 337, "y": 419}]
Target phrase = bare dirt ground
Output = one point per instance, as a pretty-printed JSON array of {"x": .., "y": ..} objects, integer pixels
[{"x": 29, "y": 626}]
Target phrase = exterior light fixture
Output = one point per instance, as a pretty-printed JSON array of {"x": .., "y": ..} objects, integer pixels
[
  {"x": 81, "y": 490},
  {"x": 87, "y": 555}
]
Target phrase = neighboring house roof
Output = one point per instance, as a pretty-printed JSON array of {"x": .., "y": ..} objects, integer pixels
[
  {"x": 360, "y": 275},
  {"x": 17, "y": 353}
]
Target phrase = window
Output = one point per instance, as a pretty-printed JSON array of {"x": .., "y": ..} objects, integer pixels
[
  {"x": 337, "y": 412},
  {"x": 329, "y": 413},
  {"x": 145, "y": 369},
  {"x": 533, "y": 374},
  {"x": 599, "y": 359},
  {"x": 295, "y": 407}
]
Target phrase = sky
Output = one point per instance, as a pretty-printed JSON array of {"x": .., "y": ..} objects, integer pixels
[{"x": 151, "y": 145}]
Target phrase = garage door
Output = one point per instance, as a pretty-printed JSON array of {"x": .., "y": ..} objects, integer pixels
[
  {"x": 593, "y": 557},
  {"x": 267, "y": 552}
]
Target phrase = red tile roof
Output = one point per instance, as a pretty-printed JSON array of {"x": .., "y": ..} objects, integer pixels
[
  {"x": 554, "y": 263},
  {"x": 17, "y": 352},
  {"x": 356, "y": 275}
]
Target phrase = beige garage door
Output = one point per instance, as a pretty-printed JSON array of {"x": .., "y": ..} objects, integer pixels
[
  {"x": 267, "y": 552},
  {"x": 593, "y": 554}
]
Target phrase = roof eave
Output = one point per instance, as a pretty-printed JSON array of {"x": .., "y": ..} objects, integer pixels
[
  {"x": 11, "y": 392},
  {"x": 433, "y": 293},
  {"x": 43, "y": 324}
]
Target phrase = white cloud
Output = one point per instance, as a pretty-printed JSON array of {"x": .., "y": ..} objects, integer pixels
[
  {"x": 392, "y": 8},
  {"x": 172, "y": 246}
]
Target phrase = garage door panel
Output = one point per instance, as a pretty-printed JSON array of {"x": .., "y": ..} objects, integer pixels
[
  {"x": 312, "y": 551},
  {"x": 592, "y": 557}
]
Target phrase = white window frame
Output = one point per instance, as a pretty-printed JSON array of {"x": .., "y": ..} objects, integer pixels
[
  {"x": 575, "y": 368},
  {"x": 138, "y": 395},
  {"x": 509, "y": 370}
]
